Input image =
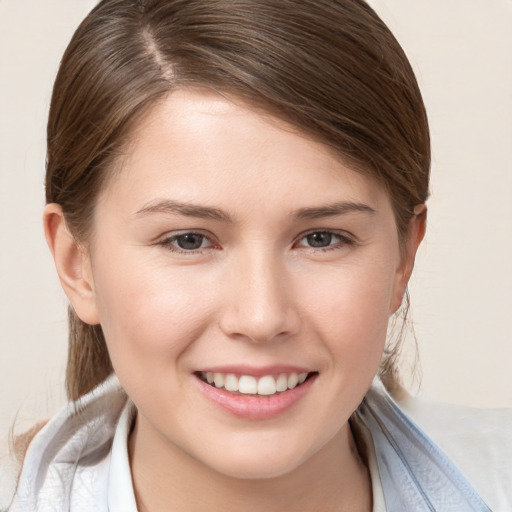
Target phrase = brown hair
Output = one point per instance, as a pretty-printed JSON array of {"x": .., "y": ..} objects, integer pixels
[{"x": 329, "y": 67}]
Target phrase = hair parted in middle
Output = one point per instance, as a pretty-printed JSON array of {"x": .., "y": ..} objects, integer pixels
[{"x": 330, "y": 68}]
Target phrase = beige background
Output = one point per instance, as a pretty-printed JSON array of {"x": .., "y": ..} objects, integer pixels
[{"x": 462, "y": 287}]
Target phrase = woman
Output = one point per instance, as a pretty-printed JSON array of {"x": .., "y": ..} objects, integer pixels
[{"x": 236, "y": 193}]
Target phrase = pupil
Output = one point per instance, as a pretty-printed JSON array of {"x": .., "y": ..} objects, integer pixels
[
  {"x": 319, "y": 239},
  {"x": 190, "y": 241}
]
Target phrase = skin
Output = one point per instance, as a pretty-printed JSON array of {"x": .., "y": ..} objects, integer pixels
[{"x": 256, "y": 292}]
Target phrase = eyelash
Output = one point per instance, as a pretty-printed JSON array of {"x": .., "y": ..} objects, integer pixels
[
  {"x": 343, "y": 240},
  {"x": 169, "y": 242}
]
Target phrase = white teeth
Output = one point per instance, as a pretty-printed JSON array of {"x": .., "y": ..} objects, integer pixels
[
  {"x": 293, "y": 380},
  {"x": 267, "y": 385},
  {"x": 231, "y": 382},
  {"x": 218, "y": 379},
  {"x": 282, "y": 382},
  {"x": 249, "y": 385}
]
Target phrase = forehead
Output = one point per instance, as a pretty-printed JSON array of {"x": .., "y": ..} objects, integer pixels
[{"x": 196, "y": 145}]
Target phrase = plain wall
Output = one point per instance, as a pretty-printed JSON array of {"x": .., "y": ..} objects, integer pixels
[{"x": 462, "y": 287}]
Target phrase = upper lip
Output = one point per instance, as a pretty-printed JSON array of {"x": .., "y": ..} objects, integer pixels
[{"x": 259, "y": 371}]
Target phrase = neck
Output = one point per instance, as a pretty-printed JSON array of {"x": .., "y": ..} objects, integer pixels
[{"x": 334, "y": 479}]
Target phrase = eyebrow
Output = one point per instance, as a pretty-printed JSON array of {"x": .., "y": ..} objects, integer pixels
[
  {"x": 168, "y": 206},
  {"x": 331, "y": 210}
]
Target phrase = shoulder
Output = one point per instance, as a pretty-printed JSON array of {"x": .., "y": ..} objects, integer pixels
[
  {"x": 11, "y": 459},
  {"x": 478, "y": 441},
  {"x": 9, "y": 470},
  {"x": 67, "y": 461}
]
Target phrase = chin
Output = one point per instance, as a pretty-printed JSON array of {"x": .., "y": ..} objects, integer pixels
[
  {"x": 249, "y": 470},
  {"x": 255, "y": 463}
]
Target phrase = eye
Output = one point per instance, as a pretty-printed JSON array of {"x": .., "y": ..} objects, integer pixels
[
  {"x": 319, "y": 239},
  {"x": 187, "y": 242},
  {"x": 324, "y": 240}
]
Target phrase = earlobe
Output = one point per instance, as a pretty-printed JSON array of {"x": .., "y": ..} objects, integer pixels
[
  {"x": 415, "y": 234},
  {"x": 72, "y": 263}
]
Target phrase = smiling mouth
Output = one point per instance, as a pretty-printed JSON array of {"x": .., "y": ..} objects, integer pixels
[{"x": 266, "y": 385}]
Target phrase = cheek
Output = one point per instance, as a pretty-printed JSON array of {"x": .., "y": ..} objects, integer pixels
[
  {"x": 350, "y": 308},
  {"x": 149, "y": 315}
]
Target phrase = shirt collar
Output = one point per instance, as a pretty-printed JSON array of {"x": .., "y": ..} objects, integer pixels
[{"x": 121, "y": 496}]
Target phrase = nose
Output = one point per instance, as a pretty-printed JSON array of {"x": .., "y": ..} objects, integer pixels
[{"x": 260, "y": 305}]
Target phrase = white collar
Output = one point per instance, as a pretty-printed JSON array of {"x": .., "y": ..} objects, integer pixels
[{"x": 121, "y": 496}]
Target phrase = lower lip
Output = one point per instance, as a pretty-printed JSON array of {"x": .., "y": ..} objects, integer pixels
[{"x": 256, "y": 407}]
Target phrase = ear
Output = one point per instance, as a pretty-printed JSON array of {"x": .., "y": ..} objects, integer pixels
[
  {"x": 73, "y": 264},
  {"x": 415, "y": 234}
]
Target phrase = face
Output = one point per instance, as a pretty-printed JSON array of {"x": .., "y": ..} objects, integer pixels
[{"x": 229, "y": 247}]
